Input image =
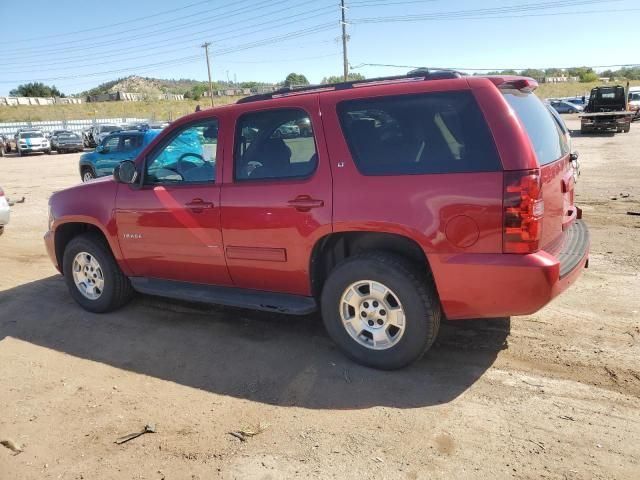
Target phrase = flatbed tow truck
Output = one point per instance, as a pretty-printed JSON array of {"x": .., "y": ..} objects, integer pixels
[{"x": 607, "y": 110}]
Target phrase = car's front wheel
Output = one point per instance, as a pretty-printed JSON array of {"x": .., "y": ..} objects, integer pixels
[
  {"x": 93, "y": 277},
  {"x": 88, "y": 175},
  {"x": 381, "y": 310}
]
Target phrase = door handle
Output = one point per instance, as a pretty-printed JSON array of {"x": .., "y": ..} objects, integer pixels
[
  {"x": 304, "y": 203},
  {"x": 197, "y": 205}
]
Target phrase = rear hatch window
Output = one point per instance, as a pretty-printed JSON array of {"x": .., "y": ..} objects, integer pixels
[
  {"x": 551, "y": 145},
  {"x": 548, "y": 141}
]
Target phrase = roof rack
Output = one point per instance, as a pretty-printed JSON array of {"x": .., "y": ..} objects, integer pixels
[{"x": 419, "y": 74}]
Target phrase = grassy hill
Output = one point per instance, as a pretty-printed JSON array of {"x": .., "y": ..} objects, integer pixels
[{"x": 145, "y": 85}]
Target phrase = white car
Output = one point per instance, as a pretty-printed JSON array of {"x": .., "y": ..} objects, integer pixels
[
  {"x": 4, "y": 211},
  {"x": 634, "y": 101},
  {"x": 29, "y": 141}
]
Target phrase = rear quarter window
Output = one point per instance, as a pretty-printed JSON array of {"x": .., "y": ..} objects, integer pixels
[
  {"x": 442, "y": 132},
  {"x": 546, "y": 137}
]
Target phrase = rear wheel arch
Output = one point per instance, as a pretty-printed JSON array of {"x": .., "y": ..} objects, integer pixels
[{"x": 333, "y": 248}]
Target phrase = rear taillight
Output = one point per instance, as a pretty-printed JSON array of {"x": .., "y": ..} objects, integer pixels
[
  {"x": 523, "y": 211},
  {"x": 1, "y": 193}
]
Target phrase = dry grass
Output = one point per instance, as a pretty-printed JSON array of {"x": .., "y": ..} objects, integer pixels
[
  {"x": 153, "y": 110},
  {"x": 170, "y": 110},
  {"x": 553, "y": 90}
]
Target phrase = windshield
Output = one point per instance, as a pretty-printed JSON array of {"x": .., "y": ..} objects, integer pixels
[
  {"x": 31, "y": 135},
  {"x": 68, "y": 135},
  {"x": 109, "y": 128},
  {"x": 634, "y": 97}
]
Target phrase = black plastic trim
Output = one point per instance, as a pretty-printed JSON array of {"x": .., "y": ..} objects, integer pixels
[
  {"x": 576, "y": 244},
  {"x": 229, "y": 296},
  {"x": 418, "y": 73}
]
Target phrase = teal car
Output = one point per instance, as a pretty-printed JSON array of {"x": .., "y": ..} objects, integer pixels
[{"x": 114, "y": 148}]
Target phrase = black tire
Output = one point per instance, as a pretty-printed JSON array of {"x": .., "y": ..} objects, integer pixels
[
  {"x": 47, "y": 152},
  {"x": 117, "y": 288},
  {"x": 86, "y": 173},
  {"x": 415, "y": 291}
]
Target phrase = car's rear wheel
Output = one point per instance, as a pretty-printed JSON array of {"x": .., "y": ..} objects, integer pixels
[
  {"x": 87, "y": 174},
  {"x": 380, "y": 310},
  {"x": 93, "y": 277}
]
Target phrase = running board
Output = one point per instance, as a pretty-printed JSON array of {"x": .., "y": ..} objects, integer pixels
[{"x": 229, "y": 296}]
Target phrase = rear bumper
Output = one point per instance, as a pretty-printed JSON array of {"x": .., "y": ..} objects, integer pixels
[{"x": 502, "y": 285}]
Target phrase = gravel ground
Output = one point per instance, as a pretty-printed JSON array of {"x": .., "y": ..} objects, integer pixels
[{"x": 553, "y": 395}]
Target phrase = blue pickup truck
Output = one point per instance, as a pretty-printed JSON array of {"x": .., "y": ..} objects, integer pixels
[{"x": 114, "y": 148}]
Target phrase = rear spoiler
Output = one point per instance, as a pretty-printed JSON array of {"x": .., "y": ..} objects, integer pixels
[{"x": 523, "y": 84}]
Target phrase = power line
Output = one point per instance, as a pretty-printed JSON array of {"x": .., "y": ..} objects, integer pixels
[
  {"x": 192, "y": 35},
  {"x": 503, "y": 17},
  {"x": 111, "y": 25},
  {"x": 252, "y": 27},
  {"x": 481, "y": 12},
  {"x": 181, "y": 60}
]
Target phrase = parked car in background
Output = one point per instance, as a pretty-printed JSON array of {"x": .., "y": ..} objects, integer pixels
[
  {"x": 562, "y": 106},
  {"x": 634, "y": 102},
  {"x": 87, "y": 138},
  {"x": 465, "y": 209},
  {"x": 580, "y": 101},
  {"x": 115, "y": 148},
  {"x": 101, "y": 131},
  {"x": 4, "y": 211},
  {"x": 3, "y": 145},
  {"x": 65, "y": 141},
  {"x": 31, "y": 141},
  {"x": 288, "y": 130}
]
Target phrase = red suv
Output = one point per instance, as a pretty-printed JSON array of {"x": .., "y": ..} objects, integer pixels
[{"x": 407, "y": 200}]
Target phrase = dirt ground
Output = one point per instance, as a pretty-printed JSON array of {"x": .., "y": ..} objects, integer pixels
[{"x": 554, "y": 395}]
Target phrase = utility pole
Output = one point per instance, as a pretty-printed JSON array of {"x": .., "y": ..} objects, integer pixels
[
  {"x": 205, "y": 45},
  {"x": 345, "y": 62}
]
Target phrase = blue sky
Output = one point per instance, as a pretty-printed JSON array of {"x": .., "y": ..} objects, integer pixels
[{"x": 77, "y": 45}]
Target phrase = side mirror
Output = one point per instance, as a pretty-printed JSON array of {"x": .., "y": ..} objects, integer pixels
[
  {"x": 126, "y": 172},
  {"x": 101, "y": 149},
  {"x": 573, "y": 156}
]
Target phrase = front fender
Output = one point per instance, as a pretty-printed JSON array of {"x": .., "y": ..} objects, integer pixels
[{"x": 90, "y": 204}]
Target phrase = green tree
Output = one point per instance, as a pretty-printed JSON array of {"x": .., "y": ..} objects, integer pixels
[
  {"x": 198, "y": 90},
  {"x": 295, "y": 80},
  {"x": 36, "y": 89},
  {"x": 534, "y": 73},
  {"x": 340, "y": 78},
  {"x": 587, "y": 77},
  {"x": 553, "y": 72},
  {"x": 610, "y": 74},
  {"x": 248, "y": 84}
]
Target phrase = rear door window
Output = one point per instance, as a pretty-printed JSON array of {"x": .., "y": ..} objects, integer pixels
[
  {"x": 418, "y": 134},
  {"x": 546, "y": 137}
]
